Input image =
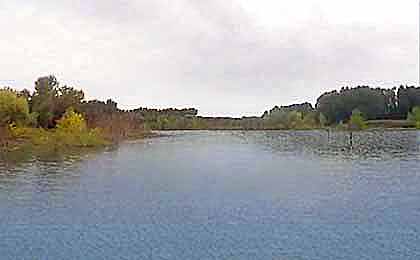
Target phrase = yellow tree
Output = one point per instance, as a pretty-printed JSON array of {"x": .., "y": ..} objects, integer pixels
[
  {"x": 72, "y": 122},
  {"x": 13, "y": 109}
]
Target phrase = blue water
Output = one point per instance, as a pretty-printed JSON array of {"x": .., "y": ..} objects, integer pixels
[{"x": 219, "y": 195}]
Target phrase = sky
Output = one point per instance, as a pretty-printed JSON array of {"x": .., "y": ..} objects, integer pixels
[{"x": 223, "y": 57}]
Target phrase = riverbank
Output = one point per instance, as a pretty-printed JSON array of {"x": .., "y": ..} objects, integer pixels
[
  {"x": 16, "y": 142},
  {"x": 391, "y": 124}
]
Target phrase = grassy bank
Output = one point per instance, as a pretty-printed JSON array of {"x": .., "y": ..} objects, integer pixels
[
  {"x": 37, "y": 139},
  {"x": 19, "y": 144}
]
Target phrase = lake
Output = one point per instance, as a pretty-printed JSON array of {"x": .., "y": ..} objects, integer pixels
[{"x": 219, "y": 195}]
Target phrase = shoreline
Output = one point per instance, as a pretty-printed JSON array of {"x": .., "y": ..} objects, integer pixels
[
  {"x": 21, "y": 150},
  {"x": 20, "y": 144},
  {"x": 39, "y": 141}
]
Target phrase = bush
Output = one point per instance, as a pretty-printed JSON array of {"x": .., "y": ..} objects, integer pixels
[
  {"x": 71, "y": 122},
  {"x": 414, "y": 117},
  {"x": 72, "y": 131},
  {"x": 322, "y": 120},
  {"x": 13, "y": 109},
  {"x": 310, "y": 120},
  {"x": 357, "y": 122}
]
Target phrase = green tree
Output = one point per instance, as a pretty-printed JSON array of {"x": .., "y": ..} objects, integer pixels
[
  {"x": 294, "y": 120},
  {"x": 67, "y": 97},
  {"x": 357, "y": 122},
  {"x": 13, "y": 109},
  {"x": 44, "y": 100},
  {"x": 414, "y": 117},
  {"x": 372, "y": 102},
  {"x": 322, "y": 120},
  {"x": 310, "y": 120},
  {"x": 408, "y": 98}
]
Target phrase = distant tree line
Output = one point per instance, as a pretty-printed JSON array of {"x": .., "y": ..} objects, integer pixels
[
  {"x": 337, "y": 107},
  {"x": 50, "y": 100},
  {"x": 373, "y": 103}
]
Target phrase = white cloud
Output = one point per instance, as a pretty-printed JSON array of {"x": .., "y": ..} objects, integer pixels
[{"x": 225, "y": 58}]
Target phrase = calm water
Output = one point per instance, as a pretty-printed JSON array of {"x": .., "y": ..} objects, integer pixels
[{"x": 219, "y": 195}]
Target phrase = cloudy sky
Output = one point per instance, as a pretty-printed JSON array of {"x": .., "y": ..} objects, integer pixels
[{"x": 224, "y": 57}]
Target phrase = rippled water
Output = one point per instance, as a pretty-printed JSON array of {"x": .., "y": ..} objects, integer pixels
[{"x": 219, "y": 195}]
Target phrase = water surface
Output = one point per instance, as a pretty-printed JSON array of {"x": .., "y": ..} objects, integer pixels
[{"x": 219, "y": 195}]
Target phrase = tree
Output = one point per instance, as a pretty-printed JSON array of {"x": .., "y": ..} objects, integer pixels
[
  {"x": 13, "y": 109},
  {"x": 25, "y": 94},
  {"x": 67, "y": 97},
  {"x": 408, "y": 98},
  {"x": 50, "y": 101},
  {"x": 414, "y": 117},
  {"x": 357, "y": 122},
  {"x": 294, "y": 120},
  {"x": 44, "y": 100},
  {"x": 372, "y": 102},
  {"x": 322, "y": 120}
]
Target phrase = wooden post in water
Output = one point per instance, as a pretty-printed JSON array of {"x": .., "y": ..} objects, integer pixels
[{"x": 328, "y": 132}]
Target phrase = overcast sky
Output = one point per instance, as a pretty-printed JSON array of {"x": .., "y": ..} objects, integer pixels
[{"x": 226, "y": 58}]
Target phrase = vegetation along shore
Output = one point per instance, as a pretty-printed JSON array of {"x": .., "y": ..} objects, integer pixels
[{"x": 56, "y": 116}]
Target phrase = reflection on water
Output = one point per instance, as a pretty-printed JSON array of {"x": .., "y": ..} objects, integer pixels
[
  {"x": 378, "y": 144},
  {"x": 219, "y": 195},
  {"x": 41, "y": 171}
]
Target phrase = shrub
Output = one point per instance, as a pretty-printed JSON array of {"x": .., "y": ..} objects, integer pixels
[
  {"x": 357, "y": 122},
  {"x": 294, "y": 120},
  {"x": 322, "y": 120},
  {"x": 414, "y": 117},
  {"x": 72, "y": 131},
  {"x": 71, "y": 122},
  {"x": 310, "y": 120},
  {"x": 13, "y": 109}
]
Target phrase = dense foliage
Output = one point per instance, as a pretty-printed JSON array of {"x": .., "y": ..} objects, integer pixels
[
  {"x": 50, "y": 100},
  {"x": 71, "y": 122},
  {"x": 61, "y": 107},
  {"x": 414, "y": 117},
  {"x": 298, "y": 116},
  {"x": 13, "y": 109},
  {"x": 357, "y": 121},
  {"x": 338, "y": 106}
]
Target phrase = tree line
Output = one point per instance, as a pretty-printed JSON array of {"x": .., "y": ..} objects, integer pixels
[
  {"x": 50, "y": 100},
  {"x": 338, "y": 106},
  {"x": 373, "y": 103}
]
